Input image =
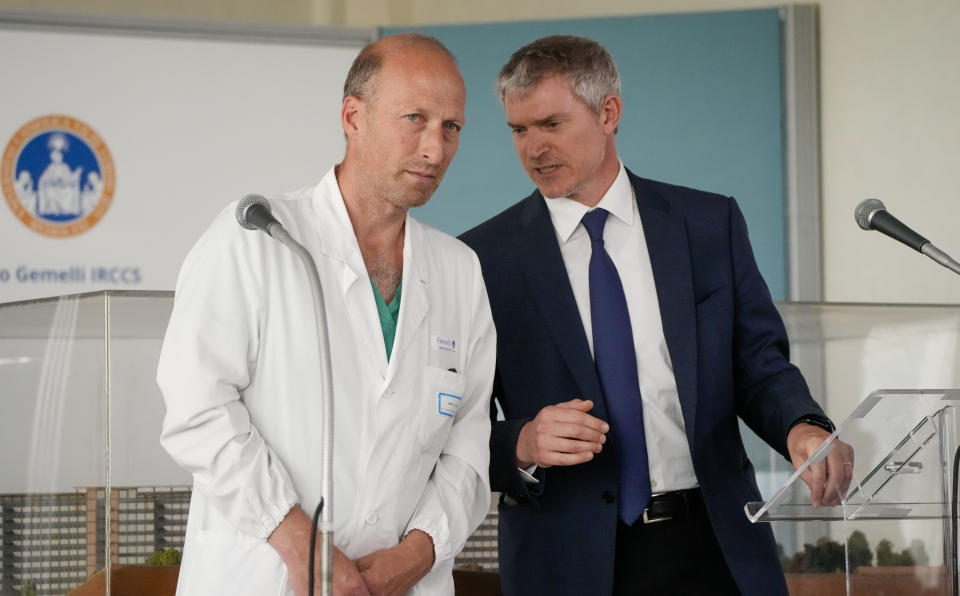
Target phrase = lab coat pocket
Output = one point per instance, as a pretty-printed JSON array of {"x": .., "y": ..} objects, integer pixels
[
  {"x": 234, "y": 563},
  {"x": 443, "y": 395}
]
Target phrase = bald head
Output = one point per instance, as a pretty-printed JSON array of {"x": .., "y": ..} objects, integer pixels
[
  {"x": 361, "y": 79},
  {"x": 402, "y": 112}
]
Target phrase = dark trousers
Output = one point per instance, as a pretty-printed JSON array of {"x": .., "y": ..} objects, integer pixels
[{"x": 675, "y": 556}]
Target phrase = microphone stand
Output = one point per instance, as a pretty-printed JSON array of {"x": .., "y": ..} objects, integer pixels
[
  {"x": 325, "y": 507},
  {"x": 253, "y": 212}
]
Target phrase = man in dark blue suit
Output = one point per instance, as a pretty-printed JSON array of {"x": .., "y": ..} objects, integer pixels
[{"x": 633, "y": 329}]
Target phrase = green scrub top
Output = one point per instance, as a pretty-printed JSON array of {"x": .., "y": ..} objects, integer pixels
[{"x": 388, "y": 316}]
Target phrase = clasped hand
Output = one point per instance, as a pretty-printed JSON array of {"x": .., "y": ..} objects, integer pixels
[{"x": 387, "y": 572}]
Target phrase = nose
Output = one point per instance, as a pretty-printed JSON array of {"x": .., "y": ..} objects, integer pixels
[
  {"x": 432, "y": 147},
  {"x": 534, "y": 145}
]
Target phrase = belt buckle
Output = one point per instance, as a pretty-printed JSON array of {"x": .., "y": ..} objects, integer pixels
[{"x": 647, "y": 520}]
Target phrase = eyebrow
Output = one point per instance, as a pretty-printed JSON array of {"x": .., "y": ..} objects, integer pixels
[
  {"x": 539, "y": 122},
  {"x": 459, "y": 119}
]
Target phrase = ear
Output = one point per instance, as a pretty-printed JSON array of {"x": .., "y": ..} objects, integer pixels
[
  {"x": 610, "y": 112},
  {"x": 351, "y": 114}
]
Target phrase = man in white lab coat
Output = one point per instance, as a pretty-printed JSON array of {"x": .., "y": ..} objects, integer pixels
[{"x": 412, "y": 346}]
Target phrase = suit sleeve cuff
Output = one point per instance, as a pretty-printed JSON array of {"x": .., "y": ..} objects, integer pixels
[{"x": 504, "y": 476}]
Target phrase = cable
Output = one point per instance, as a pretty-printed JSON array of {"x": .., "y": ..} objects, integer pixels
[
  {"x": 953, "y": 522},
  {"x": 313, "y": 542}
]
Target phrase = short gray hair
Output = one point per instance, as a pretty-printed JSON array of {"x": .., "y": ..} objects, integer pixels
[
  {"x": 589, "y": 66},
  {"x": 369, "y": 61}
]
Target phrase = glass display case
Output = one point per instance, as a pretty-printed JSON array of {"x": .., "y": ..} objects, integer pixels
[{"x": 85, "y": 485}]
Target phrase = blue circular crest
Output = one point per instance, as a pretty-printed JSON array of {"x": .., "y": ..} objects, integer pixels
[{"x": 57, "y": 176}]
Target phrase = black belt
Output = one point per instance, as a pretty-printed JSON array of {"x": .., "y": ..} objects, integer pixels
[{"x": 678, "y": 503}]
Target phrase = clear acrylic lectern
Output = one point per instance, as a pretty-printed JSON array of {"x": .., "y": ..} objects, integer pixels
[{"x": 905, "y": 443}]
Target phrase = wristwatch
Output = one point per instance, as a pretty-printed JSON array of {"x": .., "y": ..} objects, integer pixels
[{"x": 816, "y": 420}]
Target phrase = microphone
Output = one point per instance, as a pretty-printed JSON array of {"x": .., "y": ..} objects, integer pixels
[
  {"x": 254, "y": 213},
  {"x": 871, "y": 214}
]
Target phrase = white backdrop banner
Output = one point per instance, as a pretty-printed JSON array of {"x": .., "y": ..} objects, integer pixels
[{"x": 119, "y": 145}]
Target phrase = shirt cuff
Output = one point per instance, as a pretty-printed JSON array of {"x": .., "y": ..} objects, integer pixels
[{"x": 526, "y": 474}]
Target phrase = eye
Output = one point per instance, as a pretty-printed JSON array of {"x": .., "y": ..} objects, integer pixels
[
  {"x": 451, "y": 126},
  {"x": 412, "y": 117},
  {"x": 552, "y": 124},
  {"x": 517, "y": 130}
]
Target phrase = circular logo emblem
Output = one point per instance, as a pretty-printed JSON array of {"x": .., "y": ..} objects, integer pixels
[{"x": 57, "y": 176}]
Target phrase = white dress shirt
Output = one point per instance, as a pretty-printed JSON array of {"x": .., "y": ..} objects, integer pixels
[{"x": 671, "y": 466}]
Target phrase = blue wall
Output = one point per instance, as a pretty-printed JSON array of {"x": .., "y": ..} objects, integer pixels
[{"x": 702, "y": 108}]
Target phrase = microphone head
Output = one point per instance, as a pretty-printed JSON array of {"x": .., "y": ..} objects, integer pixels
[
  {"x": 243, "y": 208},
  {"x": 865, "y": 210}
]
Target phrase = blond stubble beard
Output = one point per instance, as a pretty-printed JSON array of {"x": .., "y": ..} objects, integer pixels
[{"x": 400, "y": 197}]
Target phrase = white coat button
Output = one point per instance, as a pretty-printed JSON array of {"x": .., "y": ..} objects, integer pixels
[
  {"x": 373, "y": 517},
  {"x": 653, "y": 484}
]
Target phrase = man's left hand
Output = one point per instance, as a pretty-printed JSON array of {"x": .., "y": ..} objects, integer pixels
[
  {"x": 829, "y": 479},
  {"x": 395, "y": 570}
]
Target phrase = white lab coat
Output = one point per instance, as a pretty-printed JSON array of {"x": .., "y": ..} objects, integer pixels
[{"x": 240, "y": 377}]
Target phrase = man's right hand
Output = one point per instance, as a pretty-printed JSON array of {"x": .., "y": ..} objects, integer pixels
[
  {"x": 291, "y": 539},
  {"x": 561, "y": 435},
  {"x": 347, "y": 580}
]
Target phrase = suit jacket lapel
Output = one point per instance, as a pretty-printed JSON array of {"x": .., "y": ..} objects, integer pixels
[
  {"x": 544, "y": 270},
  {"x": 669, "y": 251}
]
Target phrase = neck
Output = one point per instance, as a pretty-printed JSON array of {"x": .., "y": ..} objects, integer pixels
[
  {"x": 375, "y": 220},
  {"x": 379, "y": 227},
  {"x": 603, "y": 178}
]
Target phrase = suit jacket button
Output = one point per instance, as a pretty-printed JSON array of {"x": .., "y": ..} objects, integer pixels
[{"x": 607, "y": 497}]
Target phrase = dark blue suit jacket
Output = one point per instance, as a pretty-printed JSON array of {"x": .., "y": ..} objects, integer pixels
[{"x": 728, "y": 347}]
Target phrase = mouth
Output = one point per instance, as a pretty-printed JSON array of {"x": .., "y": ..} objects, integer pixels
[
  {"x": 422, "y": 176},
  {"x": 546, "y": 170}
]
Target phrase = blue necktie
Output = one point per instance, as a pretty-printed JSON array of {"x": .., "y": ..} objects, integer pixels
[{"x": 616, "y": 362}]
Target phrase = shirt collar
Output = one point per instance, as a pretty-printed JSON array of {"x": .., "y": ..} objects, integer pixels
[{"x": 565, "y": 213}]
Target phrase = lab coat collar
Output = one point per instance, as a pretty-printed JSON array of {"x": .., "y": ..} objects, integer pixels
[
  {"x": 414, "y": 303},
  {"x": 338, "y": 241}
]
